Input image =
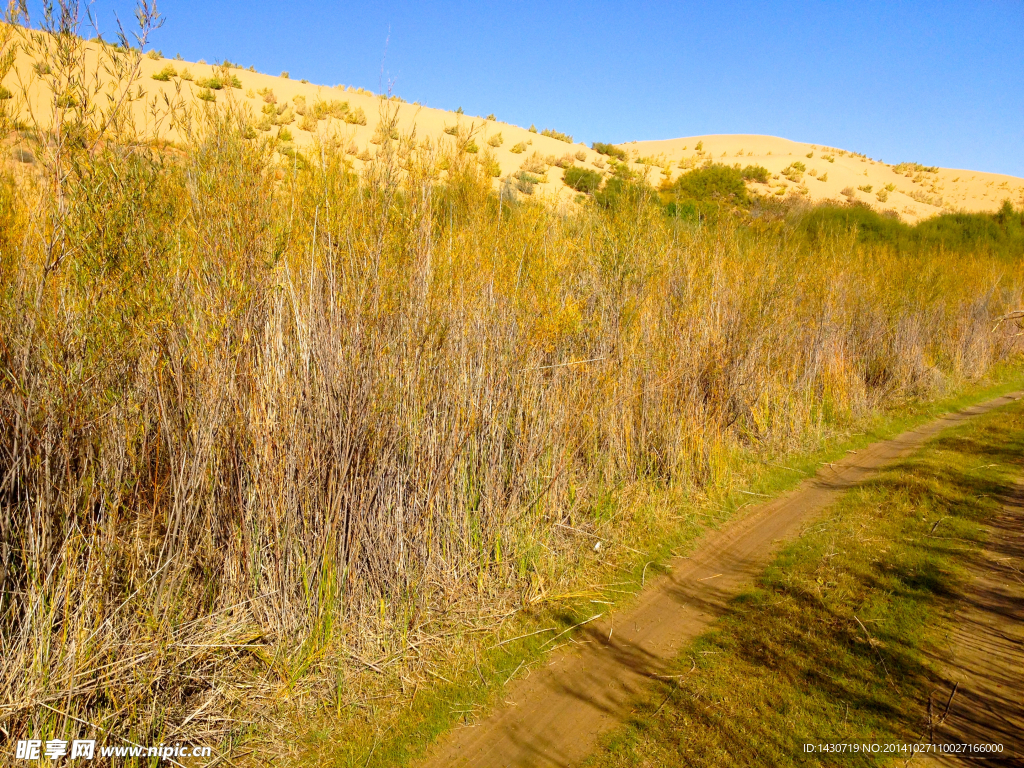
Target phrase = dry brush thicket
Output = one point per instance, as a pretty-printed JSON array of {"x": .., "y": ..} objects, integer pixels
[{"x": 260, "y": 416}]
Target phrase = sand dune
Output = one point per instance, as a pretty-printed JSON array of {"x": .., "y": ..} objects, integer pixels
[
  {"x": 912, "y": 192},
  {"x": 828, "y": 173}
]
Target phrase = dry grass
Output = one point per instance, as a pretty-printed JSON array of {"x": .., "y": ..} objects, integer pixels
[{"x": 264, "y": 421}]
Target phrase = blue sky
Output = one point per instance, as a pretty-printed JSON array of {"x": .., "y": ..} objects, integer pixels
[{"x": 935, "y": 82}]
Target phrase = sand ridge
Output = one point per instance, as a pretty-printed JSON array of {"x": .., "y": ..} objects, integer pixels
[{"x": 813, "y": 171}]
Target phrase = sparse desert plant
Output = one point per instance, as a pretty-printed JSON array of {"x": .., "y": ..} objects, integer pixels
[
  {"x": 526, "y": 182},
  {"x": 535, "y": 164},
  {"x": 582, "y": 179},
  {"x": 490, "y": 166},
  {"x": 829, "y": 158},
  {"x": 496, "y": 140},
  {"x": 356, "y": 117},
  {"x": 308, "y": 123},
  {"x": 813, "y": 172},
  {"x": 470, "y": 147},
  {"x": 206, "y": 94},
  {"x": 334, "y": 108},
  {"x": 532, "y": 128},
  {"x": 866, "y": 188},
  {"x": 186, "y": 74},
  {"x": 794, "y": 171},
  {"x": 284, "y": 134},
  {"x": 581, "y": 155},
  {"x": 823, "y": 177},
  {"x": 155, "y": 55},
  {"x": 518, "y": 149},
  {"x": 849, "y": 192},
  {"x": 5, "y": 93},
  {"x": 165, "y": 74},
  {"x": 882, "y": 195},
  {"x": 564, "y": 161},
  {"x": 211, "y": 83},
  {"x": 699, "y": 146},
  {"x": 598, "y": 162},
  {"x": 911, "y": 168},
  {"x": 810, "y": 155},
  {"x": 557, "y": 135},
  {"x": 490, "y": 117},
  {"x": 890, "y": 187},
  {"x": 285, "y": 114},
  {"x": 451, "y": 130},
  {"x": 756, "y": 173},
  {"x": 609, "y": 149},
  {"x": 923, "y": 197},
  {"x": 285, "y": 75}
]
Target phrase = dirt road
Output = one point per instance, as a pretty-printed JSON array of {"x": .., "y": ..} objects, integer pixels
[
  {"x": 557, "y": 713},
  {"x": 984, "y": 672}
]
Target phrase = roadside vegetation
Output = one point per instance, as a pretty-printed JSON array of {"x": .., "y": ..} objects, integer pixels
[
  {"x": 277, "y": 436},
  {"x": 839, "y": 640}
]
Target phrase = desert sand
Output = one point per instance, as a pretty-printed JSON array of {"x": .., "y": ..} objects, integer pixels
[{"x": 913, "y": 192}]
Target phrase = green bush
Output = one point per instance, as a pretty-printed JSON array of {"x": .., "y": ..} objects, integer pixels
[
  {"x": 212, "y": 83},
  {"x": 5, "y": 94},
  {"x": 756, "y": 173},
  {"x": 582, "y": 179},
  {"x": 207, "y": 95},
  {"x": 609, "y": 149},
  {"x": 718, "y": 183}
]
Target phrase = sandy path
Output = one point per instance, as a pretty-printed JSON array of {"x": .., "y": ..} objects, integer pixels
[
  {"x": 986, "y": 664},
  {"x": 556, "y": 714}
]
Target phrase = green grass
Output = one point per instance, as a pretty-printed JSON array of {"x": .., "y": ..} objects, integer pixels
[
  {"x": 835, "y": 641},
  {"x": 361, "y": 734}
]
